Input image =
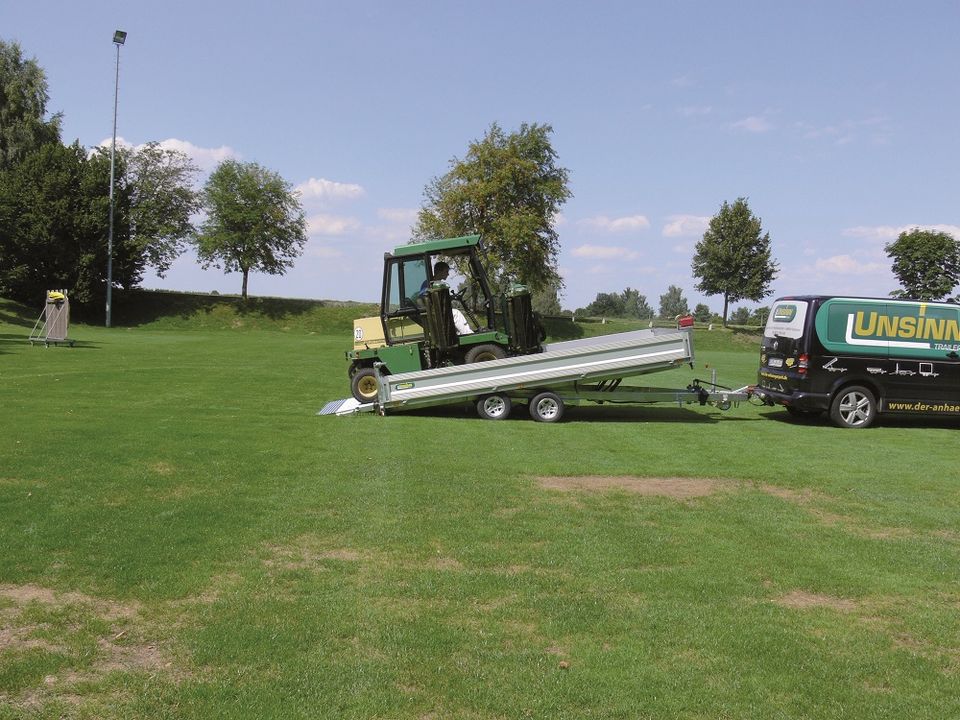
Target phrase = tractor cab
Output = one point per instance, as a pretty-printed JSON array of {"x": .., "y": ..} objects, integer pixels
[{"x": 428, "y": 319}]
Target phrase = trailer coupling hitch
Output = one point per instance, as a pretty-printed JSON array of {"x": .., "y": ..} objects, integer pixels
[{"x": 702, "y": 395}]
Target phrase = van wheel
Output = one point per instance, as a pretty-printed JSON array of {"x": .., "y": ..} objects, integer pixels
[
  {"x": 853, "y": 407},
  {"x": 364, "y": 385},
  {"x": 494, "y": 407},
  {"x": 484, "y": 353}
]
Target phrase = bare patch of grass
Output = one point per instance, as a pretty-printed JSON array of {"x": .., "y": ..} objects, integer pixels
[
  {"x": 815, "y": 504},
  {"x": 677, "y": 488}
]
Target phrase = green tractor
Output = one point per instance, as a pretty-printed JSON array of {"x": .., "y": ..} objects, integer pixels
[{"x": 422, "y": 324}]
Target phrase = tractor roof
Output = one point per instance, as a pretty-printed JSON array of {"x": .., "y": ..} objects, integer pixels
[{"x": 437, "y": 246}]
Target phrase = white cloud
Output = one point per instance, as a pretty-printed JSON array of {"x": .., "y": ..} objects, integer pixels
[
  {"x": 847, "y": 265},
  {"x": 889, "y": 232},
  {"x": 558, "y": 220},
  {"x": 400, "y": 216},
  {"x": 753, "y": 124},
  {"x": 685, "y": 226},
  {"x": 623, "y": 224},
  {"x": 323, "y": 189},
  {"x": 204, "y": 158},
  {"x": 331, "y": 224},
  {"x": 605, "y": 252}
]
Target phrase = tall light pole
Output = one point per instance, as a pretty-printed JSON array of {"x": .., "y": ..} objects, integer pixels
[{"x": 119, "y": 37}]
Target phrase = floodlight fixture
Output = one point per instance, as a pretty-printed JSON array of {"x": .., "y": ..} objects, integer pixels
[{"x": 119, "y": 37}]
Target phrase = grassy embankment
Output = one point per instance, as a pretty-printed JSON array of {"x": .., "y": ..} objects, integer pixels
[{"x": 182, "y": 537}]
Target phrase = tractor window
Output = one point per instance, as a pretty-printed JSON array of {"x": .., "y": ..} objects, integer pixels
[
  {"x": 393, "y": 302},
  {"x": 405, "y": 281},
  {"x": 414, "y": 275}
]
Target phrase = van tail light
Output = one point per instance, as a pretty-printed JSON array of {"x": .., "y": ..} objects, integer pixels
[{"x": 803, "y": 362}]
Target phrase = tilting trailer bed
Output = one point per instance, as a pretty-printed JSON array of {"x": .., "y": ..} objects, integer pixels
[{"x": 566, "y": 373}]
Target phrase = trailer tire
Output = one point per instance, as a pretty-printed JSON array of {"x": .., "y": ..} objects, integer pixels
[
  {"x": 546, "y": 407},
  {"x": 494, "y": 407},
  {"x": 853, "y": 407},
  {"x": 364, "y": 385},
  {"x": 484, "y": 353}
]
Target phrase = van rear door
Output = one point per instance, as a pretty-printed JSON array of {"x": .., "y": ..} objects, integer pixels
[{"x": 782, "y": 345}]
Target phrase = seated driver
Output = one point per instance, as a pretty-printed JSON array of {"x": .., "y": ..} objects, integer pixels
[{"x": 440, "y": 273}]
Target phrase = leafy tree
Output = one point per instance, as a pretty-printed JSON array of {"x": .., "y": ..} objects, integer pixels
[
  {"x": 23, "y": 104},
  {"x": 162, "y": 200},
  {"x": 606, "y": 305},
  {"x": 701, "y": 313},
  {"x": 672, "y": 303},
  {"x": 547, "y": 300},
  {"x": 635, "y": 305},
  {"x": 926, "y": 262},
  {"x": 734, "y": 259},
  {"x": 254, "y": 222},
  {"x": 740, "y": 316},
  {"x": 508, "y": 189},
  {"x": 628, "y": 304},
  {"x": 53, "y": 225},
  {"x": 760, "y": 315}
]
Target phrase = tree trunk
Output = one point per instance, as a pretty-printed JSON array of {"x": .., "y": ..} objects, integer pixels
[
  {"x": 246, "y": 273},
  {"x": 726, "y": 299}
]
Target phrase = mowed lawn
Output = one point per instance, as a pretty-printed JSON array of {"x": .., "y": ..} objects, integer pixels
[{"x": 182, "y": 537}]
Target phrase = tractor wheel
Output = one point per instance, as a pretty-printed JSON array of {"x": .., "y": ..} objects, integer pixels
[
  {"x": 364, "y": 385},
  {"x": 546, "y": 407},
  {"x": 853, "y": 407},
  {"x": 484, "y": 353},
  {"x": 494, "y": 407}
]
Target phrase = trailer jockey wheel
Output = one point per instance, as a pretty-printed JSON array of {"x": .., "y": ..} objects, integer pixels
[
  {"x": 494, "y": 407},
  {"x": 364, "y": 385},
  {"x": 546, "y": 407}
]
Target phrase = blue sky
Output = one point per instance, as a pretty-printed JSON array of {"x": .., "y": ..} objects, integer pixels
[{"x": 837, "y": 120}]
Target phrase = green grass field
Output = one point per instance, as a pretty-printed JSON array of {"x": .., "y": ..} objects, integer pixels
[{"x": 181, "y": 537}]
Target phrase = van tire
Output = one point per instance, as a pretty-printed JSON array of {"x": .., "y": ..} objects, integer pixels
[{"x": 853, "y": 407}]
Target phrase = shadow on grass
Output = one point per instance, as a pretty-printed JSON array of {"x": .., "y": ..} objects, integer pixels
[
  {"x": 595, "y": 414},
  {"x": 904, "y": 421},
  {"x": 132, "y": 308}
]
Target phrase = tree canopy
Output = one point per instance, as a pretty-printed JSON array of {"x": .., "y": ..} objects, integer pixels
[
  {"x": 508, "y": 189},
  {"x": 926, "y": 262},
  {"x": 254, "y": 222},
  {"x": 23, "y": 106},
  {"x": 628, "y": 304},
  {"x": 673, "y": 303},
  {"x": 734, "y": 257}
]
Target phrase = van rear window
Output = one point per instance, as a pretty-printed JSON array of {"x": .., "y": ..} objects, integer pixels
[{"x": 786, "y": 319}]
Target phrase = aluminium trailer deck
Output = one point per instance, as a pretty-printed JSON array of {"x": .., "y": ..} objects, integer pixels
[{"x": 589, "y": 369}]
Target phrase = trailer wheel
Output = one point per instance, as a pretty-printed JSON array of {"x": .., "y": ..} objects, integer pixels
[
  {"x": 494, "y": 407},
  {"x": 546, "y": 407},
  {"x": 853, "y": 407},
  {"x": 364, "y": 385},
  {"x": 484, "y": 353}
]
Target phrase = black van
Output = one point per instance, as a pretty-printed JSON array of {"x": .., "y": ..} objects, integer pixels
[{"x": 857, "y": 357}]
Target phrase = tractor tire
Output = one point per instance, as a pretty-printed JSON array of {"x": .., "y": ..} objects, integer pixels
[
  {"x": 853, "y": 407},
  {"x": 546, "y": 407},
  {"x": 484, "y": 353},
  {"x": 364, "y": 385},
  {"x": 494, "y": 407}
]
